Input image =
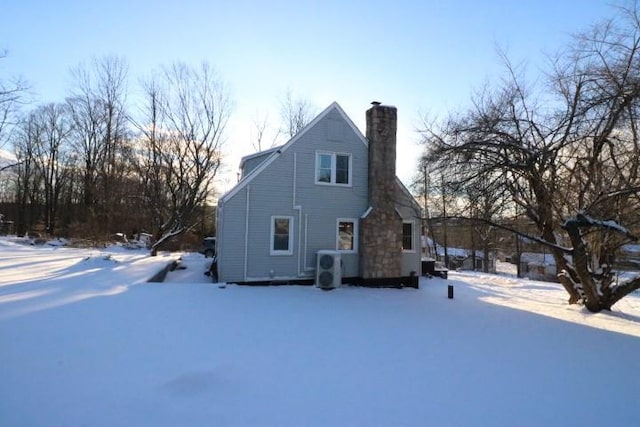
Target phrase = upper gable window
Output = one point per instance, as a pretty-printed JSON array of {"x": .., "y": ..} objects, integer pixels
[{"x": 333, "y": 168}]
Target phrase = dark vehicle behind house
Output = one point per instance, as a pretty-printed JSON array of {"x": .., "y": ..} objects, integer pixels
[{"x": 208, "y": 247}]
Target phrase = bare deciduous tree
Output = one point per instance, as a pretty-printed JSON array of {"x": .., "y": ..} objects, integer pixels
[
  {"x": 52, "y": 129},
  {"x": 27, "y": 180},
  {"x": 186, "y": 112},
  {"x": 12, "y": 93},
  {"x": 99, "y": 116},
  {"x": 261, "y": 133},
  {"x": 567, "y": 156},
  {"x": 296, "y": 113},
  {"x": 486, "y": 201}
]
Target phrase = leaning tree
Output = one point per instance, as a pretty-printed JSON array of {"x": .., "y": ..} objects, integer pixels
[
  {"x": 179, "y": 147},
  {"x": 566, "y": 150}
]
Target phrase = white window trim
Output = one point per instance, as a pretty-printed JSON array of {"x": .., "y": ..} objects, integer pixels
[
  {"x": 272, "y": 251},
  {"x": 413, "y": 237},
  {"x": 355, "y": 235},
  {"x": 333, "y": 155}
]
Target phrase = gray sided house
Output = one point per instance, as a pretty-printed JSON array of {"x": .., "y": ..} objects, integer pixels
[{"x": 328, "y": 188}]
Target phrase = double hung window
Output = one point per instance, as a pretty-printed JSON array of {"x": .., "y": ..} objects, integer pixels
[
  {"x": 281, "y": 235},
  {"x": 333, "y": 168}
]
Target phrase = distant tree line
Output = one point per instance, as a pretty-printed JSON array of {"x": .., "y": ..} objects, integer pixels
[
  {"x": 91, "y": 165},
  {"x": 562, "y": 152},
  {"x": 96, "y": 163}
]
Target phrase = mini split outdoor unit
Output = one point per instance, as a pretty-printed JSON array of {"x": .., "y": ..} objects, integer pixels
[{"x": 329, "y": 270}]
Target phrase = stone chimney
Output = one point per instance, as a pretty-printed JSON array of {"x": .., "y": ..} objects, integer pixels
[{"x": 381, "y": 228}]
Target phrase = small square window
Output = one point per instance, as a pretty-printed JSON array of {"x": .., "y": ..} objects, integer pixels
[{"x": 347, "y": 235}]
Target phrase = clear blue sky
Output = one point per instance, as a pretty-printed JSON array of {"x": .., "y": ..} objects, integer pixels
[{"x": 417, "y": 55}]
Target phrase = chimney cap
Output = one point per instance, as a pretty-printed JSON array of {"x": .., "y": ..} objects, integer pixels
[{"x": 375, "y": 103}]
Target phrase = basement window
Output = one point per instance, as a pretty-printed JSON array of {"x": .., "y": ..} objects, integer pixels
[
  {"x": 333, "y": 168},
  {"x": 281, "y": 235}
]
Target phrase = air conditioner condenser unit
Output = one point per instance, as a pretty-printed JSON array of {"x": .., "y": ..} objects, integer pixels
[{"x": 328, "y": 269}]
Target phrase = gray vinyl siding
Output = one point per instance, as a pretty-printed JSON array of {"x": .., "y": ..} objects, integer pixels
[
  {"x": 322, "y": 205},
  {"x": 271, "y": 192},
  {"x": 230, "y": 237},
  {"x": 315, "y": 209},
  {"x": 410, "y": 261},
  {"x": 409, "y": 210},
  {"x": 270, "y": 195},
  {"x": 251, "y": 163}
]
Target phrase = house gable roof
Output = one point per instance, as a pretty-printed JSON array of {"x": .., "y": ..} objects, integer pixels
[
  {"x": 274, "y": 153},
  {"x": 278, "y": 150},
  {"x": 414, "y": 203},
  {"x": 258, "y": 154}
]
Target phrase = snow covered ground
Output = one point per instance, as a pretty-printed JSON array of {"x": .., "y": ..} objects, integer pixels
[{"x": 85, "y": 340}]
